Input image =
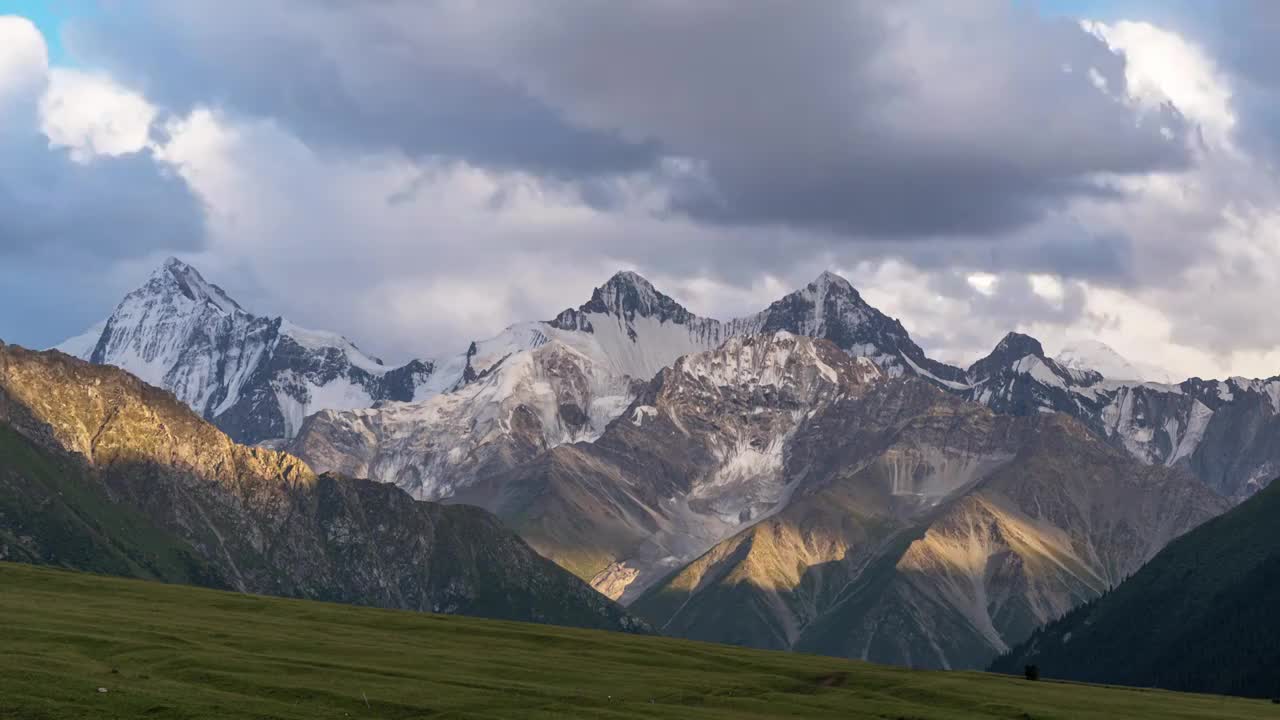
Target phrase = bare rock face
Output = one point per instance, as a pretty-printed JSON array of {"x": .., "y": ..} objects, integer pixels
[
  {"x": 697, "y": 456},
  {"x": 930, "y": 532},
  {"x": 262, "y": 521}
]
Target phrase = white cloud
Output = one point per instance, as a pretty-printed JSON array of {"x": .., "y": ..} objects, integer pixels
[
  {"x": 1163, "y": 66},
  {"x": 983, "y": 282},
  {"x": 1098, "y": 79},
  {"x": 1048, "y": 287},
  {"x": 24, "y": 65},
  {"x": 91, "y": 114}
]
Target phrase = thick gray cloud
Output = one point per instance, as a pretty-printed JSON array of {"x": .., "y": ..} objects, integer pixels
[
  {"x": 861, "y": 118},
  {"x": 65, "y": 225},
  {"x": 864, "y": 118},
  {"x": 362, "y": 76},
  {"x": 1061, "y": 248},
  {"x": 106, "y": 209}
]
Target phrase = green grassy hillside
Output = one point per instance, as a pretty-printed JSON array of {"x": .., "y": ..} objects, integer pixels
[
  {"x": 167, "y": 651},
  {"x": 52, "y": 512}
]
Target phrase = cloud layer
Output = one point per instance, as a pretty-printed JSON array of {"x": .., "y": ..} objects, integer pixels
[
  {"x": 862, "y": 118},
  {"x": 415, "y": 174}
]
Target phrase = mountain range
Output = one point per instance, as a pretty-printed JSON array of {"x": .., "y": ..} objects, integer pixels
[
  {"x": 261, "y": 379},
  {"x": 805, "y": 477},
  {"x": 927, "y": 531}
]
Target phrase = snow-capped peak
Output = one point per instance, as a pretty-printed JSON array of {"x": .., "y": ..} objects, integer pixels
[
  {"x": 631, "y": 278},
  {"x": 174, "y": 273},
  {"x": 829, "y": 299},
  {"x": 256, "y": 377},
  {"x": 625, "y": 297},
  {"x": 1100, "y": 357},
  {"x": 628, "y": 295},
  {"x": 1010, "y": 351},
  {"x": 831, "y": 281},
  {"x": 830, "y": 288}
]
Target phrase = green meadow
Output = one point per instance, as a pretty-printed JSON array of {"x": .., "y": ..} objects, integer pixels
[{"x": 170, "y": 651}]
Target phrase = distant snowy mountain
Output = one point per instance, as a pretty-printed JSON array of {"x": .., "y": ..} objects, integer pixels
[
  {"x": 255, "y": 377},
  {"x": 749, "y": 493},
  {"x": 534, "y": 386},
  {"x": 538, "y": 385},
  {"x": 1225, "y": 432},
  {"x": 541, "y": 384},
  {"x": 831, "y": 309},
  {"x": 1100, "y": 357}
]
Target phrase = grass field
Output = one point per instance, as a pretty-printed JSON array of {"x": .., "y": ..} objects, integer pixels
[{"x": 166, "y": 651}]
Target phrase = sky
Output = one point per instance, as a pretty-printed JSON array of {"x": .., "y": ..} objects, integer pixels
[{"x": 417, "y": 174}]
